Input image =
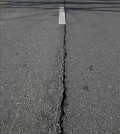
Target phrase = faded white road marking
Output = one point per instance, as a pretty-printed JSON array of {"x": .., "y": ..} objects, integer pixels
[
  {"x": 2, "y": 3},
  {"x": 62, "y": 15}
]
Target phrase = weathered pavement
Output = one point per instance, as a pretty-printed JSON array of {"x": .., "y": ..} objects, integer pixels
[
  {"x": 50, "y": 71},
  {"x": 31, "y": 71},
  {"x": 93, "y": 67}
]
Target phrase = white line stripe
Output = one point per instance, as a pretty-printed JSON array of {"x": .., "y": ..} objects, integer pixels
[
  {"x": 3, "y": 3},
  {"x": 62, "y": 15}
]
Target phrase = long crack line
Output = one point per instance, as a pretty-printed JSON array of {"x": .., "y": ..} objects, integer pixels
[
  {"x": 64, "y": 84},
  {"x": 63, "y": 101}
]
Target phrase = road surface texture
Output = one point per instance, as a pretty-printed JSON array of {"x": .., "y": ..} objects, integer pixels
[
  {"x": 93, "y": 67},
  {"x": 60, "y": 79},
  {"x": 31, "y": 71}
]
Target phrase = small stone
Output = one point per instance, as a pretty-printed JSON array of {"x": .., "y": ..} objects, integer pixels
[
  {"x": 86, "y": 88},
  {"x": 93, "y": 105},
  {"x": 17, "y": 53},
  {"x": 91, "y": 67}
]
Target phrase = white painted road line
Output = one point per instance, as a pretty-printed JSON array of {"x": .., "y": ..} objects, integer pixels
[
  {"x": 3, "y": 3},
  {"x": 62, "y": 15}
]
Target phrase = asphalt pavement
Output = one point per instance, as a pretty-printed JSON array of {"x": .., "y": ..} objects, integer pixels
[
  {"x": 31, "y": 71},
  {"x": 60, "y": 79}
]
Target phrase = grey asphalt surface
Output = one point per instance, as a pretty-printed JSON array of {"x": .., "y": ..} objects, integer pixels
[
  {"x": 33, "y": 48},
  {"x": 93, "y": 67},
  {"x": 31, "y": 68}
]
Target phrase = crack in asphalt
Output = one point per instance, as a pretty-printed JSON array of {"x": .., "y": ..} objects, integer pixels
[
  {"x": 64, "y": 84},
  {"x": 63, "y": 101}
]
